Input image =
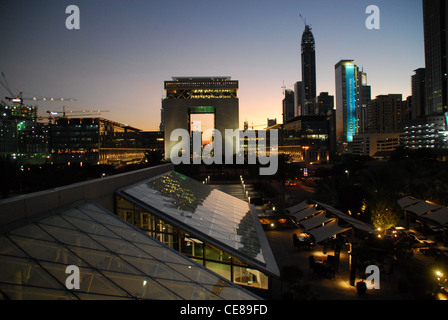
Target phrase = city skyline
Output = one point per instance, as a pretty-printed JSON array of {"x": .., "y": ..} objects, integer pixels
[{"x": 120, "y": 57}]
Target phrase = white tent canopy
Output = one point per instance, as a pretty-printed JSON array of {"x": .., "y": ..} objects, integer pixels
[
  {"x": 315, "y": 221},
  {"x": 327, "y": 231}
]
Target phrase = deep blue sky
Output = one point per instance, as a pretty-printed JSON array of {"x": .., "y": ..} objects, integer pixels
[{"x": 124, "y": 50}]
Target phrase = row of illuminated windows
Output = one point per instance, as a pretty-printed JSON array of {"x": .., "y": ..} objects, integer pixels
[
  {"x": 209, "y": 256},
  {"x": 211, "y": 84}
]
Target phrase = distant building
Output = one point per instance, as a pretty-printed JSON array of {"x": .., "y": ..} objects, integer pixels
[
  {"x": 308, "y": 72},
  {"x": 307, "y": 139},
  {"x": 288, "y": 105},
  {"x": 418, "y": 93},
  {"x": 376, "y": 145},
  {"x": 435, "y": 22},
  {"x": 385, "y": 113},
  {"x": 272, "y": 122},
  {"x": 324, "y": 104},
  {"x": 428, "y": 126},
  {"x": 363, "y": 96},
  {"x": 346, "y": 73},
  {"x": 91, "y": 141},
  {"x": 22, "y": 137},
  {"x": 186, "y": 96},
  {"x": 427, "y": 132},
  {"x": 298, "y": 98}
]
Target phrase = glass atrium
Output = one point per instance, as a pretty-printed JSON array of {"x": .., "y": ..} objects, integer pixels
[
  {"x": 115, "y": 261},
  {"x": 215, "y": 229}
]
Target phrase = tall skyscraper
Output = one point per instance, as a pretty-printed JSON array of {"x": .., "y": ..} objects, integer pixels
[
  {"x": 435, "y": 22},
  {"x": 418, "y": 94},
  {"x": 346, "y": 74},
  {"x": 308, "y": 72},
  {"x": 363, "y": 96}
]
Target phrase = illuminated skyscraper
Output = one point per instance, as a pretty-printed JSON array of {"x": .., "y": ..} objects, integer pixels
[
  {"x": 346, "y": 87},
  {"x": 308, "y": 72}
]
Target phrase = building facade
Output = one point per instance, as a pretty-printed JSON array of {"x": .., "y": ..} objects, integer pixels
[
  {"x": 307, "y": 139},
  {"x": 376, "y": 145},
  {"x": 92, "y": 141},
  {"x": 324, "y": 104},
  {"x": 385, "y": 113},
  {"x": 363, "y": 97},
  {"x": 418, "y": 93},
  {"x": 186, "y": 96},
  {"x": 427, "y": 132},
  {"x": 288, "y": 105},
  {"x": 219, "y": 231},
  {"x": 346, "y": 76},
  {"x": 435, "y": 22},
  {"x": 22, "y": 136}
]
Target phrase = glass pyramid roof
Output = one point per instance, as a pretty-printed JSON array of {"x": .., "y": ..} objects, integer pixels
[
  {"x": 208, "y": 213},
  {"x": 115, "y": 260}
]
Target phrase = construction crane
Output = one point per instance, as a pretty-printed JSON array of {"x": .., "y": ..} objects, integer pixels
[
  {"x": 74, "y": 113},
  {"x": 18, "y": 98},
  {"x": 258, "y": 125}
]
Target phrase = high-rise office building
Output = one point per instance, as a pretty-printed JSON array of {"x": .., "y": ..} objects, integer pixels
[
  {"x": 418, "y": 93},
  {"x": 346, "y": 74},
  {"x": 363, "y": 95},
  {"x": 324, "y": 104},
  {"x": 435, "y": 22},
  {"x": 298, "y": 98},
  {"x": 385, "y": 113},
  {"x": 188, "y": 97},
  {"x": 288, "y": 105},
  {"x": 308, "y": 72}
]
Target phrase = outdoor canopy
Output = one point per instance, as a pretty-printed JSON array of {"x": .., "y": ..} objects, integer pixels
[
  {"x": 407, "y": 201},
  {"x": 327, "y": 231},
  {"x": 422, "y": 208},
  {"x": 298, "y": 207},
  {"x": 315, "y": 221},
  {"x": 343, "y": 216},
  {"x": 308, "y": 212},
  {"x": 440, "y": 216}
]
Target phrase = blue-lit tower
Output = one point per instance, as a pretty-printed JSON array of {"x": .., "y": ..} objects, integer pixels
[{"x": 346, "y": 73}]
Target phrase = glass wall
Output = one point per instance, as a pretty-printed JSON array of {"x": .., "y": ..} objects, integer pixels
[{"x": 202, "y": 252}]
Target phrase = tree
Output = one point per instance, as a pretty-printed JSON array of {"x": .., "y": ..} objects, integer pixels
[{"x": 384, "y": 214}]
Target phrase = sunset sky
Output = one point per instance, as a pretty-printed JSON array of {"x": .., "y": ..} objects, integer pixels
[{"x": 125, "y": 50}]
